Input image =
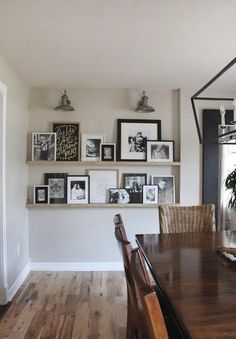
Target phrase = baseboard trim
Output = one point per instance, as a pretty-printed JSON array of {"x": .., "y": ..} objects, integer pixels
[
  {"x": 76, "y": 266},
  {"x": 18, "y": 282}
]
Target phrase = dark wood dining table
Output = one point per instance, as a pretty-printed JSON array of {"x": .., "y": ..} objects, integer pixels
[{"x": 196, "y": 282}]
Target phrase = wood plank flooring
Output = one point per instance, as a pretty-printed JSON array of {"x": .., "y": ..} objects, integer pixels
[{"x": 68, "y": 305}]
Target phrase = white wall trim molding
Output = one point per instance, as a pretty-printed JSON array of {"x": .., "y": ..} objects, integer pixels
[
  {"x": 19, "y": 281},
  {"x": 77, "y": 266}
]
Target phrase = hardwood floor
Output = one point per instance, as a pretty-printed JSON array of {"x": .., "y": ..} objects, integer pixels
[{"x": 68, "y": 305}]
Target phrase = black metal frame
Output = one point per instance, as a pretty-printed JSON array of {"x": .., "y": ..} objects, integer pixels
[{"x": 196, "y": 96}]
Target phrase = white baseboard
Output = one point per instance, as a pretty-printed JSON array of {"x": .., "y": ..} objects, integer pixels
[
  {"x": 76, "y": 266},
  {"x": 18, "y": 282}
]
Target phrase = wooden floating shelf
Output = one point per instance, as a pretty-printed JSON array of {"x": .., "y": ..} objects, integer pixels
[
  {"x": 92, "y": 205},
  {"x": 100, "y": 163}
]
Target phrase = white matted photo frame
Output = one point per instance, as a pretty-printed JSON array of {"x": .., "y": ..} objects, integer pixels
[
  {"x": 166, "y": 188},
  {"x": 132, "y": 136},
  {"x": 150, "y": 194},
  {"x": 118, "y": 196},
  {"x": 77, "y": 189},
  {"x": 90, "y": 146},
  {"x": 41, "y": 194},
  {"x": 100, "y": 183},
  {"x": 43, "y": 146},
  {"x": 160, "y": 151},
  {"x": 68, "y": 143},
  {"x": 107, "y": 151}
]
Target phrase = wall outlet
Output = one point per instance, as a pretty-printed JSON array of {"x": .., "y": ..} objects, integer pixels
[{"x": 18, "y": 250}]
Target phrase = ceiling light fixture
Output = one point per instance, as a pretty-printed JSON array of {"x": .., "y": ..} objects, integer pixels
[
  {"x": 143, "y": 105},
  {"x": 65, "y": 104}
]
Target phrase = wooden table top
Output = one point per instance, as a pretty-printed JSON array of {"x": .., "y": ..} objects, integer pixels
[{"x": 198, "y": 283}]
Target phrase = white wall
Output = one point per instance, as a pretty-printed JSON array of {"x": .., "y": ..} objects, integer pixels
[
  {"x": 87, "y": 235},
  {"x": 16, "y": 171}
]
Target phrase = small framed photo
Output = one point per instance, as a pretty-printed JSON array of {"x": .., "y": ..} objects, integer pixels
[
  {"x": 160, "y": 151},
  {"x": 43, "y": 146},
  {"x": 91, "y": 146},
  {"x": 67, "y": 141},
  {"x": 118, "y": 196},
  {"x": 100, "y": 183},
  {"x": 57, "y": 187},
  {"x": 107, "y": 151},
  {"x": 150, "y": 194},
  {"x": 77, "y": 189},
  {"x": 41, "y": 194},
  {"x": 133, "y": 183},
  {"x": 166, "y": 188}
]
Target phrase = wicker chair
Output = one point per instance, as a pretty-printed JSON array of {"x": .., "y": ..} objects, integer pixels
[{"x": 179, "y": 219}]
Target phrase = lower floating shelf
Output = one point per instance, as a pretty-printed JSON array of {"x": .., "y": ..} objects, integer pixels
[{"x": 92, "y": 205}]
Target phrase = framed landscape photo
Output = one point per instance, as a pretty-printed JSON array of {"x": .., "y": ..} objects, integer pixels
[
  {"x": 107, "y": 151},
  {"x": 41, "y": 194},
  {"x": 160, "y": 151},
  {"x": 132, "y": 136},
  {"x": 91, "y": 142},
  {"x": 150, "y": 194},
  {"x": 133, "y": 183},
  {"x": 77, "y": 189},
  {"x": 100, "y": 183},
  {"x": 67, "y": 141},
  {"x": 57, "y": 187},
  {"x": 43, "y": 146},
  {"x": 166, "y": 188},
  {"x": 118, "y": 196}
]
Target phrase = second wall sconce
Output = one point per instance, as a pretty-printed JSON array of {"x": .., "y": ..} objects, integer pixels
[
  {"x": 65, "y": 104},
  {"x": 143, "y": 105}
]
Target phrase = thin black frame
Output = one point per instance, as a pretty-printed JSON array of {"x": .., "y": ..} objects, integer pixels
[
  {"x": 135, "y": 197},
  {"x": 157, "y": 123},
  {"x": 48, "y": 176},
  {"x": 42, "y": 187},
  {"x": 67, "y": 143},
  {"x": 112, "y": 146},
  {"x": 84, "y": 201}
]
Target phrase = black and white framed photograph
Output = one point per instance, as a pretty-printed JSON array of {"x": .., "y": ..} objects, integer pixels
[
  {"x": 118, "y": 196},
  {"x": 57, "y": 187},
  {"x": 41, "y": 194},
  {"x": 91, "y": 143},
  {"x": 133, "y": 183},
  {"x": 100, "y": 183},
  {"x": 107, "y": 151},
  {"x": 132, "y": 136},
  {"x": 150, "y": 194},
  {"x": 166, "y": 188},
  {"x": 160, "y": 151},
  {"x": 77, "y": 189},
  {"x": 68, "y": 145},
  {"x": 43, "y": 146}
]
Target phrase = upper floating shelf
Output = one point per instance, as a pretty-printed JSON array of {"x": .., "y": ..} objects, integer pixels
[{"x": 101, "y": 163}]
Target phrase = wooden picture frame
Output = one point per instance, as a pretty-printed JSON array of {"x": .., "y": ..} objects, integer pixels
[
  {"x": 68, "y": 142},
  {"x": 41, "y": 194},
  {"x": 43, "y": 146},
  {"x": 90, "y": 146},
  {"x": 77, "y": 189},
  {"x": 107, "y": 151},
  {"x": 57, "y": 187},
  {"x": 160, "y": 151},
  {"x": 166, "y": 188},
  {"x": 150, "y": 194}
]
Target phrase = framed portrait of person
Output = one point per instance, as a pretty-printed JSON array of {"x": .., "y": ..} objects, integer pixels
[
  {"x": 91, "y": 143},
  {"x": 118, "y": 196},
  {"x": 67, "y": 141},
  {"x": 107, "y": 151},
  {"x": 77, "y": 189},
  {"x": 133, "y": 183},
  {"x": 160, "y": 151},
  {"x": 150, "y": 194},
  {"x": 166, "y": 188},
  {"x": 43, "y": 146},
  {"x": 41, "y": 194},
  {"x": 100, "y": 183},
  {"x": 132, "y": 136},
  {"x": 57, "y": 187}
]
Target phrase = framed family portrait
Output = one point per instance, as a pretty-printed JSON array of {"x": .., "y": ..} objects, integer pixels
[
  {"x": 77, "y": 189},
  {"x": 100, "y": 183},
  {"x": 57, "y": 187},
  {"x": 150, "y": 194},
  {"x": 67, "y": 141},
  {"x": 91, "y": 146},
  {"x": 132, "y": 136},
  {"x": 41, "y": 194},
  {"x": 107, "y": 151},
  {"x": 118, "y": 196},
  {"x": 166, "y": 188},
  {"x": 133, "y": 183},
  {"x": 160, "y": 151},
  {"x": 43, "y": 146}
]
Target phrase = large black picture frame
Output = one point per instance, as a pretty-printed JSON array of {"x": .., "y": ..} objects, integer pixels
[
  {"x": 68, "y": 143},
  {"x": 57, "y": 187}
]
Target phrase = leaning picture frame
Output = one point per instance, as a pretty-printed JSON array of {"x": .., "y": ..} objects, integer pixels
[
  {"x": 41, "y": 194},
  {"x": 43, "y": 146},
  {"x": 166, "y": 188},
  {"x": 68, "y": 143},
  {"x": 160, "y": 151},
  {"x": 90, "y": 146},
  {"x": 132, "y": 136},
  {"x": 150, "y": 194},
  {"x": 118, "y": 196},
  {"x": 133, "y": 183},
  {"x": 57, "y": 183},
  {"x": 107, "y": 151},
  {"x": 77, "y": 189}
]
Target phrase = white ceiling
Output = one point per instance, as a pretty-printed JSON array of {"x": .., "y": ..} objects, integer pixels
[{"x": 118, "y": 43}]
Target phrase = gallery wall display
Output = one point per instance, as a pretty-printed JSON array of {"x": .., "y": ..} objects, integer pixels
[
  {"x": 67, "y": 141},
  {"x": 160, "y": 151},
  {"x": 91, "y": 142},
  {"x": 57, "y": 187},
  {"x": 43, "y": 146},
  {"x": 77, "y": 189}
]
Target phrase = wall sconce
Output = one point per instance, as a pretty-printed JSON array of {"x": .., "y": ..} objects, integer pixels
[
  {"x": 226, "y": 133},
  {"x": 143, "y": 105},
  {"x": 65, "y": 104}
]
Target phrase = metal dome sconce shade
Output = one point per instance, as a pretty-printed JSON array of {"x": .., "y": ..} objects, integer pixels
[
  {"x": 226, "y": 133},
  {"x": 143, "y": 105},
  {"x": 65, "y": 104}
]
